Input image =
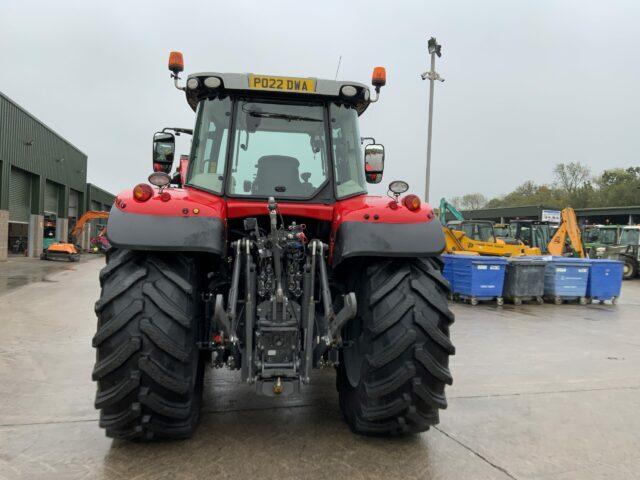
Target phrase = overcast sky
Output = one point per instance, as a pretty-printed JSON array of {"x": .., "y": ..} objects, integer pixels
[{"x": 528, "y": 83}]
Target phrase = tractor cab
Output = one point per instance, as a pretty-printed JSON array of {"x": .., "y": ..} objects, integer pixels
[
  {"x": 533, "y": 233},
  {"x": 627, "y": 250},
  {"x": 479, "y": 230},
  {"x": 261, "y": 136}
]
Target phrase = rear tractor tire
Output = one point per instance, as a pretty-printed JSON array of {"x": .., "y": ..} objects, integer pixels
[
  {"x": 395, "y": 364},
  {"x": 148, "y": 366}
]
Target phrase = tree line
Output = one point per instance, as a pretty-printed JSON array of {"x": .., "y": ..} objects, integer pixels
[{"x": 573, "y": 185}]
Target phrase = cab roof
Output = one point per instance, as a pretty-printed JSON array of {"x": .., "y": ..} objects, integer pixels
[{"x": 239, "y": 82}]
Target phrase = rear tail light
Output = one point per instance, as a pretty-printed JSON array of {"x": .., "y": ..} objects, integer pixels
[
  {"x": 142, "y": 192},
  {"x": 412, "y": 202}
]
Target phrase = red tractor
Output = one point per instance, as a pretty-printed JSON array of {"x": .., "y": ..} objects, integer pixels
[{"x": 266, "y": 255}]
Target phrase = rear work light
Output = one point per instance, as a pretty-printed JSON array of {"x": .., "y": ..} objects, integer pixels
[
  {"x": 142, "y": 192},
  {"x": 349, "y": 91},
  {"x": 192, "y": 83},
  {"x": 412, "y": 202},
  {"x": 212, "y": 82}
]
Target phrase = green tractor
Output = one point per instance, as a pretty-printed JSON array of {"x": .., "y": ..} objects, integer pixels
[
  {"x": 627, "y": 250},
  {"x": 599, "y": 237}
]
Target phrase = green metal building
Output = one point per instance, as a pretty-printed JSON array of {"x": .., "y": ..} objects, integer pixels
[
  {"x": 97, "y": 199},
  {"x": 629, "y": 215},
  {"x": 43, "y": 189},
  {"x": 505, "y": 214}
]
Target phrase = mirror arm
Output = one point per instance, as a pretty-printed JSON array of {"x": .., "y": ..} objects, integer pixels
[{"x": 178, "y": 130}]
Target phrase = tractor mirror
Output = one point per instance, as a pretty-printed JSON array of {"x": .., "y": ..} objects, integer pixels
[
  {"x": 374, "y": 162},
  {"x": 164, "y": 146}
]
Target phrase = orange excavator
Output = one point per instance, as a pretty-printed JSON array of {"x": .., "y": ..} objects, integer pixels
[
  {"x": 68, "y": 251},
  {"x": 567, "y": 240}
]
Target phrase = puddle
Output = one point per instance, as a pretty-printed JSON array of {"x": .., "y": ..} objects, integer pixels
[{"x": 16, "y": 274}]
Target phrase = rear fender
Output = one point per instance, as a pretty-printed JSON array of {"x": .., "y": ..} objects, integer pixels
[
  {"x": 378, "y": 227},
  {"x": 189, "y": 221}
]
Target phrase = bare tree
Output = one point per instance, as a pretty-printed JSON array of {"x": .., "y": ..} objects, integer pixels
[
  {"x": 473, "y": 201},
  {"x": 456, "y": 202},
  {"x": 571, "y": 176}
]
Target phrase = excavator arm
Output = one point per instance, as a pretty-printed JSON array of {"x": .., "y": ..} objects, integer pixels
[
  {"x": 570, "y": 229},
  {"x": 447, "y": 207},
  {"x": 86, "y": 217}
]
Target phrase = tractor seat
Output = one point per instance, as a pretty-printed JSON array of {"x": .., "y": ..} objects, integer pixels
[{"x": 277, "y": 171}]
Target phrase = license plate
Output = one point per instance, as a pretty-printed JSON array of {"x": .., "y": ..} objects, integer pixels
[{"x": 282, "y": 84}]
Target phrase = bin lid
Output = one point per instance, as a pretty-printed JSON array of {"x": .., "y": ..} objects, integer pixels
[
  {"x": 475, "y": 259},
  {"x": 603, "y": 261},
  {"x": 537, "y": 261},
  {"x": 488, "y": 260},
  {"x": 570, "y": 261}
]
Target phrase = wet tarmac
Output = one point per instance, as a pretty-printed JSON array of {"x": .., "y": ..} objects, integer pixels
[
  {"x": 19, "y": 271},
  {"x": 540, "y": 392}
]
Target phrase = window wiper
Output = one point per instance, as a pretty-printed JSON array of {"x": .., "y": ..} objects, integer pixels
[{"x": 282, "y": 116}]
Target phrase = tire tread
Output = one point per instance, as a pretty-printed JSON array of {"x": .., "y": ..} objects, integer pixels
[
  {"x": 405, "y": 319},
  {"x": 148, "y": 367}
]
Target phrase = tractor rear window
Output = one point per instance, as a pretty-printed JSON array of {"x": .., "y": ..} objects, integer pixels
[
  {"x": 279, "y": 150},
  {"x": 608, "y": 236},
  {"x": 210, "y": 144},
  {"x": 348, "y": 159}
]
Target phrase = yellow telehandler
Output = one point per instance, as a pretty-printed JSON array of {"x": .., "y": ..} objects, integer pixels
[{"x": 477, "y": 237}]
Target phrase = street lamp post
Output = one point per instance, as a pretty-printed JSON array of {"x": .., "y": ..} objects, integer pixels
[{"x": 432, "y": 75}]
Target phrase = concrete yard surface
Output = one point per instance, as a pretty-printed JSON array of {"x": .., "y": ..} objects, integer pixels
[{"x": 540, "y": 392}]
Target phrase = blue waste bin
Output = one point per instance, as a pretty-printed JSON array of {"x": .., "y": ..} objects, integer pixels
[
  {"x": 477, "y": 277},
  {"x": 447, "y": 269},
  {"x": 605, "y": 280},
  {"x": 566, "y": 279}
]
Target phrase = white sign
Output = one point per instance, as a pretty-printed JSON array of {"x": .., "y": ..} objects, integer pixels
[{"x": 552, "y": 216}]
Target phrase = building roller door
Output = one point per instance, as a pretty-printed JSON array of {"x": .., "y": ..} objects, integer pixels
[
  {"x": 73, "y": 204},
  {"x": 19, "y": 196},
  {"x": 95, "y": 206},
  {"x": 51, "y": 196}
]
